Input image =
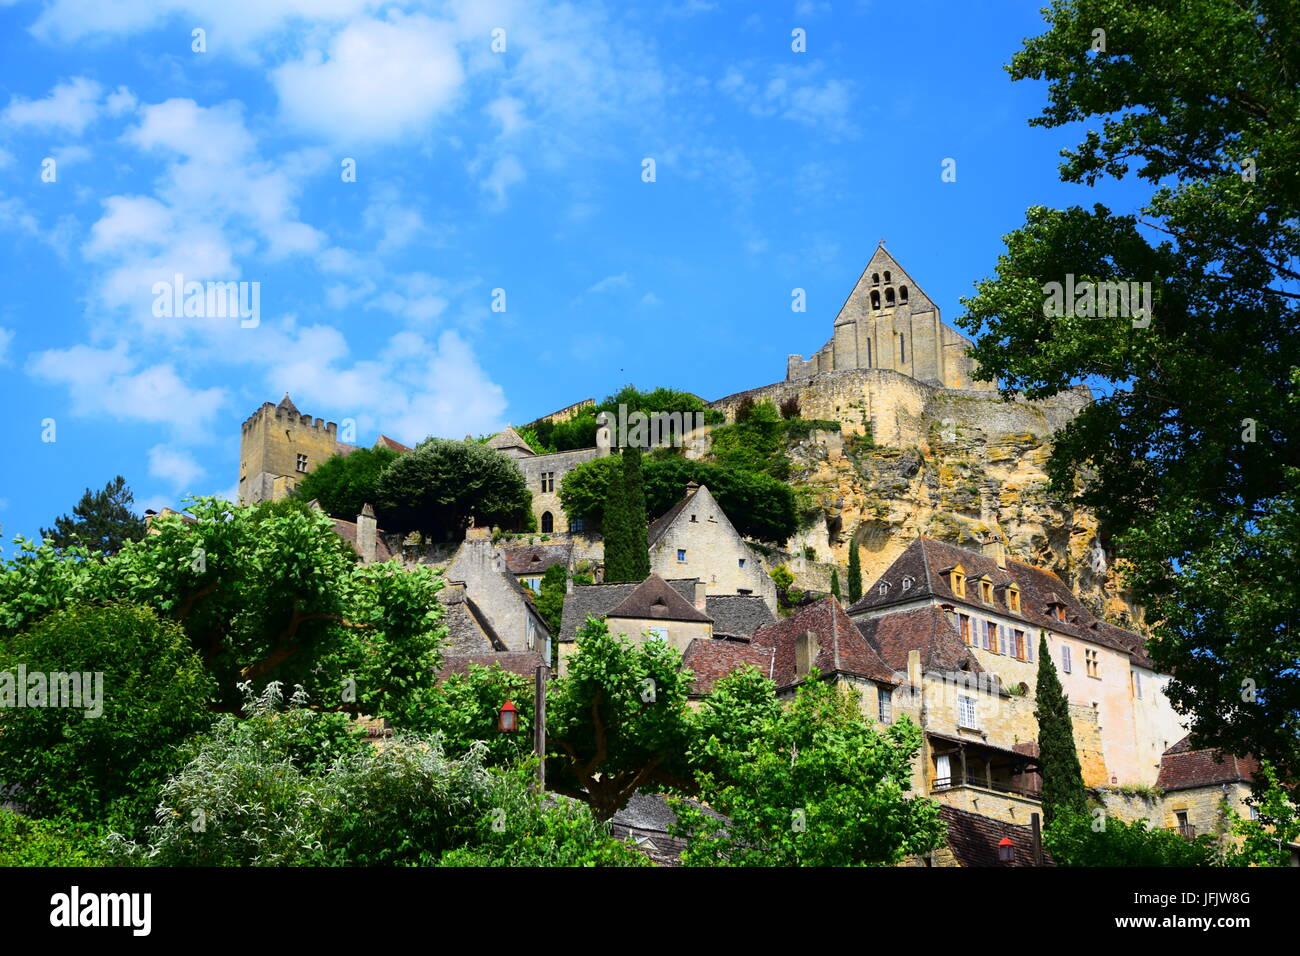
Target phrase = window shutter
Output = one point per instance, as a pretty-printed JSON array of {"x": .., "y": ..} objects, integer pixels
[
  {"x": 984, "y": 626},
  {"x": 1029, "y": 647},
  {"x": 1065, "y": 658}
]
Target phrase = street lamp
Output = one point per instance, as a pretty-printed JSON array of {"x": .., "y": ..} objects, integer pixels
[
  {"x": 1006, "y": 850},
  {"x": 508, "y": 719}
]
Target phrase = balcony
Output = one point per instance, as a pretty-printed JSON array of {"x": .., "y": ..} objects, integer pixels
[
  {"x": 1185, "y": 830},
  {"x": 982, "y": 782}
]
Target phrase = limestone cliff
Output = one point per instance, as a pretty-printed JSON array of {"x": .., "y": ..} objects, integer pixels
[{"x": 958, "y": 465}]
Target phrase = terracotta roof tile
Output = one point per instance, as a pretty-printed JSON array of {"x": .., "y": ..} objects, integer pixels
[
  {"x": 536, "y": 558},
  {"x": 841, "y": 648},
  {"x": 926, "y": 629},
  {"x": 1182, "y": 768},
  {"x": 523, "y": 663},
  {"x": 712, "y": 659},
  {"x": 595, "y": 600},
  {"x": 974, "y": 839}
]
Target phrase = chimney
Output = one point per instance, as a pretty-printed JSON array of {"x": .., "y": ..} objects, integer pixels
[
  {"x": 691, "y": 488},
  {"x": 367, "y": 528},
  {"x": 994, "y": 548},
  {"x": 701, "y": 598},
  {"x": 568, "y": 585}
]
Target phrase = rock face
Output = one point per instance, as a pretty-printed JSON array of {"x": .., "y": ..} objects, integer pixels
[{"x": 958, "y": 465}]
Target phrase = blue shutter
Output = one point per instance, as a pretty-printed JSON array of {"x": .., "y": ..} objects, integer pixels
[
  {"x": 984, "y": 627},
  {"x": 1029, "y": 647}
]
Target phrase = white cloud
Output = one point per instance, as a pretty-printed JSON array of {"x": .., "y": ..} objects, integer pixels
[
  {"x": 506, "y": 172},
  {"x": 106, "y": 381},
  {"x": 619, "y": 281},
  {"x": 120, "y": 101},
  {"x": 175, "y": 466},
  {"x": 796, "y": 93},
  {"x": 650, "y": 301},
  {"x": 379, "y": 80},
  {"x": 6, "y": 158},
  {"x": 6, "y": 337},
  {"x": 70, "y": 107}
]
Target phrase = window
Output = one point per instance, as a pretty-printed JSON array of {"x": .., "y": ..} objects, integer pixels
[
  {"x": 869, "y": 365},
  {"x": 966, "y": 713},
  {"x": 902, "y": 293},
  {"x": 302, "y": 462},
  {"x": 575, "y": 524},
  {"x": 907, "y": 582},
  {"x": 740, "y": 562},
  {"x": 1018, "y": 638},
  {"x": 548, "y": 481},
  {"x": 534, "y": 585},
  {"x": 875, "y": 278},
  {"x": 965, "y": 627},
  {"x": 1066, "y": 664},
  {"x": 986, "y": 592},
  {"x": 1013, "y": 599},
  {"x": 875, "y": 301},
  {"x": 884, "y": 589},
  {"x": 657, "y": 633},
  {"x": 1058, "y": 611},
  {"x": 985, "y": 628},
  {"x": 1090, "y": 662},
  {"x": 889, "y": 297},
  {"x": 548, "y": 522},
  {"x": 692, "y": 517},
  {"x": 1137, "y": 685},
  {"x": 902, "y": 347},
  {"x": 887, "y": 279},
  {"x": 884, "y": 704},
  {"x": 1254, "y": 813},
  {"x": 681, "y": 555},
  {"x": 959, "y": 581}
]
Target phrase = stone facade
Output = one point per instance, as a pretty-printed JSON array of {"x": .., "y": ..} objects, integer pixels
[
  {"x": 480, "y": 570},
  {"x": 889, "y": 323},
  {"x": 278, "y": 447},
  {"x": 543, "y": 475}
]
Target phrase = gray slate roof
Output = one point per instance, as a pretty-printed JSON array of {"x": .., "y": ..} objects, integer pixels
[
  {"x": 596, "y": 600},
  {"x": 738, "y": 613}
]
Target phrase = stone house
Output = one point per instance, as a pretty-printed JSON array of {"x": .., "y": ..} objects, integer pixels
[
  {"x": 486, "y": 607},
  {"x": 695, "y": 538},
  {"x": 999, "y": 607},
  {"x": 530, "y": 562},
  {"x": 975, "y": 840}
]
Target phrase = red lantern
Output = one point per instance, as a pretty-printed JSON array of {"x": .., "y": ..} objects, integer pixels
[
  {"x": 508, "y": 719},
  {"x": 1006, "y": 850}
]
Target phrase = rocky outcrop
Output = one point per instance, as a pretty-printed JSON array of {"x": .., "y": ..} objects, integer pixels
[{"x": 958, "y": 465}]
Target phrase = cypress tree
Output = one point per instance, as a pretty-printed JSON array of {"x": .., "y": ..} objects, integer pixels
[
  {"x": 855, "y": 574},
  {"x": 638, "y": 539},
  {"x": 1059, "y": 761},
  {"x": 835, "y": 582},
  {"x": 616, "y": 525}
]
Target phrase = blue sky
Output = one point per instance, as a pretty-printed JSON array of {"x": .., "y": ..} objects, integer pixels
[{"x": 475, "y": 170}]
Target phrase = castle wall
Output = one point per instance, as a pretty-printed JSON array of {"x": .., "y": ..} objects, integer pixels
[
  {"x": 559, "y": 464},
  {"x": 270, "y": 442}
]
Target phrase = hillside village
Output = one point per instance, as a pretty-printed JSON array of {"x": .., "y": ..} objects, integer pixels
[{"x": 939, "y": 485}]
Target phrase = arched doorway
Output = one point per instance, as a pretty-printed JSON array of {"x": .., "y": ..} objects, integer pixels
[{"x": 548, "y": 522}]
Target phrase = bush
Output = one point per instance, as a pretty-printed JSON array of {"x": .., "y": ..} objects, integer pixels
[
  {"x": 28, "y": 842},
  {"x": 442, "y": 484},
  {"x": 1073, "y": 841},
  {"x": 790, "y": 407},
  {"x": 103, "y": 768},
  {"x": 344, "y": 484}
]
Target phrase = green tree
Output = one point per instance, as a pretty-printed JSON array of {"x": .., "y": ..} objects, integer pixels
[
  {"x": 1063, "y": 791},
  {"x": 638, "y": 555},
  {"x": 759, "y": 506},
  {"x": 756, "y": 443},
  {"x": 465, "y": 712},
  {"x": 813, "y": 784},
  {"x": 616, "y": 527},
  {"x": 855, "y": 573},
  {"x": 441, "y": 485},
  {"x": 344, "y": 484},
  {"x": 617, "y": 721},
  {"x": 550, "y": 601},
  {"x": 1188, "y": 453},
  {"x": 101, "y": 520},
  {"x": 1077, "y": 838},
  {"x": 835, "y": 582},
  {"x": 104, "y": 759},
  {"x": 1265, "y": 839}
]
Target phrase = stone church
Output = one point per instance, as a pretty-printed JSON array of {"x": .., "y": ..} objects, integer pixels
[{"x": 888, "y": 322}]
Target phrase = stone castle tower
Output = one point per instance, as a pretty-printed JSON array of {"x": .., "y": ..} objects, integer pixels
[
  {"x": 278, "y": 447},
  {"x": 889, "y": 322}
]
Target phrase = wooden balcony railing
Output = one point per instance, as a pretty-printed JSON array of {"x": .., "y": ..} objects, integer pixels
[{"x": 956, "y": 780}]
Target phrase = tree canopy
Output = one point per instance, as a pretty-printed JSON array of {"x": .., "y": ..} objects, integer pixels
[
  {"x": 344, "y": 484},
  {"x": 1189, "y": 452},
  {"x": 101, "y": 520}
]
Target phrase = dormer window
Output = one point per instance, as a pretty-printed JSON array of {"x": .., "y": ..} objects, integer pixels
[
  {"x": 884, "y": 589},
  {"x": 907, "y": 582},
  {"x": 1013, "y": 599},
  {"x": 958, "y": 581},
  {"x": 986, "y": 592},
  {"x": 1057, "y": 610},
  {"x": 692, "y": 517}
]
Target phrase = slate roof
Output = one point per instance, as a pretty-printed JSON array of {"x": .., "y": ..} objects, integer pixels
[
  {"x": 738, "y": 613},
  {"x": 926, "y": 629},
  {"x": 974, "y": 839},
  {"x": 712, "y": 659},
  {"x": 509, "y": 438},
  {"x": 927, "y": 563},
  {"x": 536, "y": 558},
  {"x": 1182, "y": 768},
  {"x": 841, "y": 647},
  {"x": 655, "y": 598},
  {"x": 645, "y": 820},
  {"x": 523, "y": 663},
  {"x": 595, "y": 600},
  {"x": 664, "y": 521}
]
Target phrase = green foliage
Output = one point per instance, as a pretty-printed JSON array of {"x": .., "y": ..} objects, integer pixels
[
  {"x": 1264, "y": 840},
  {"x": 465, "y": 712},
  {"x": 616, "y": 526},
  {"x": 101, "y": 521},
  {"x": 53, "y": 843},
  {"x": 550, "y": 601},
  {"x": 440, "y": 485},
  {"x": 835, "y": 582},
  {"x": 344, "y": 484},
  {"x": 760, "y": 507},
  {"x": 107, "y": 766},
  {"x": 755, "y": 443},
  {"x": 1077, "y": 838},
  {"x": 617, "y": 722},
  {"x": 812, "y": 784},
  {"x": 245, "y": 799},
  {"x": 796, "y": 428},
  {"x": 267, "y": 592},
  {"x": 790, "y": 407},
  {"x": 638, "y": 545},
  {"x": 1063, "y": 791},
  {"x": 855, "y": 573},
  {"x": 580, "y": 431},
  {"x": 1188, "y": 449},
  {"x": 781, "y": 577}
]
